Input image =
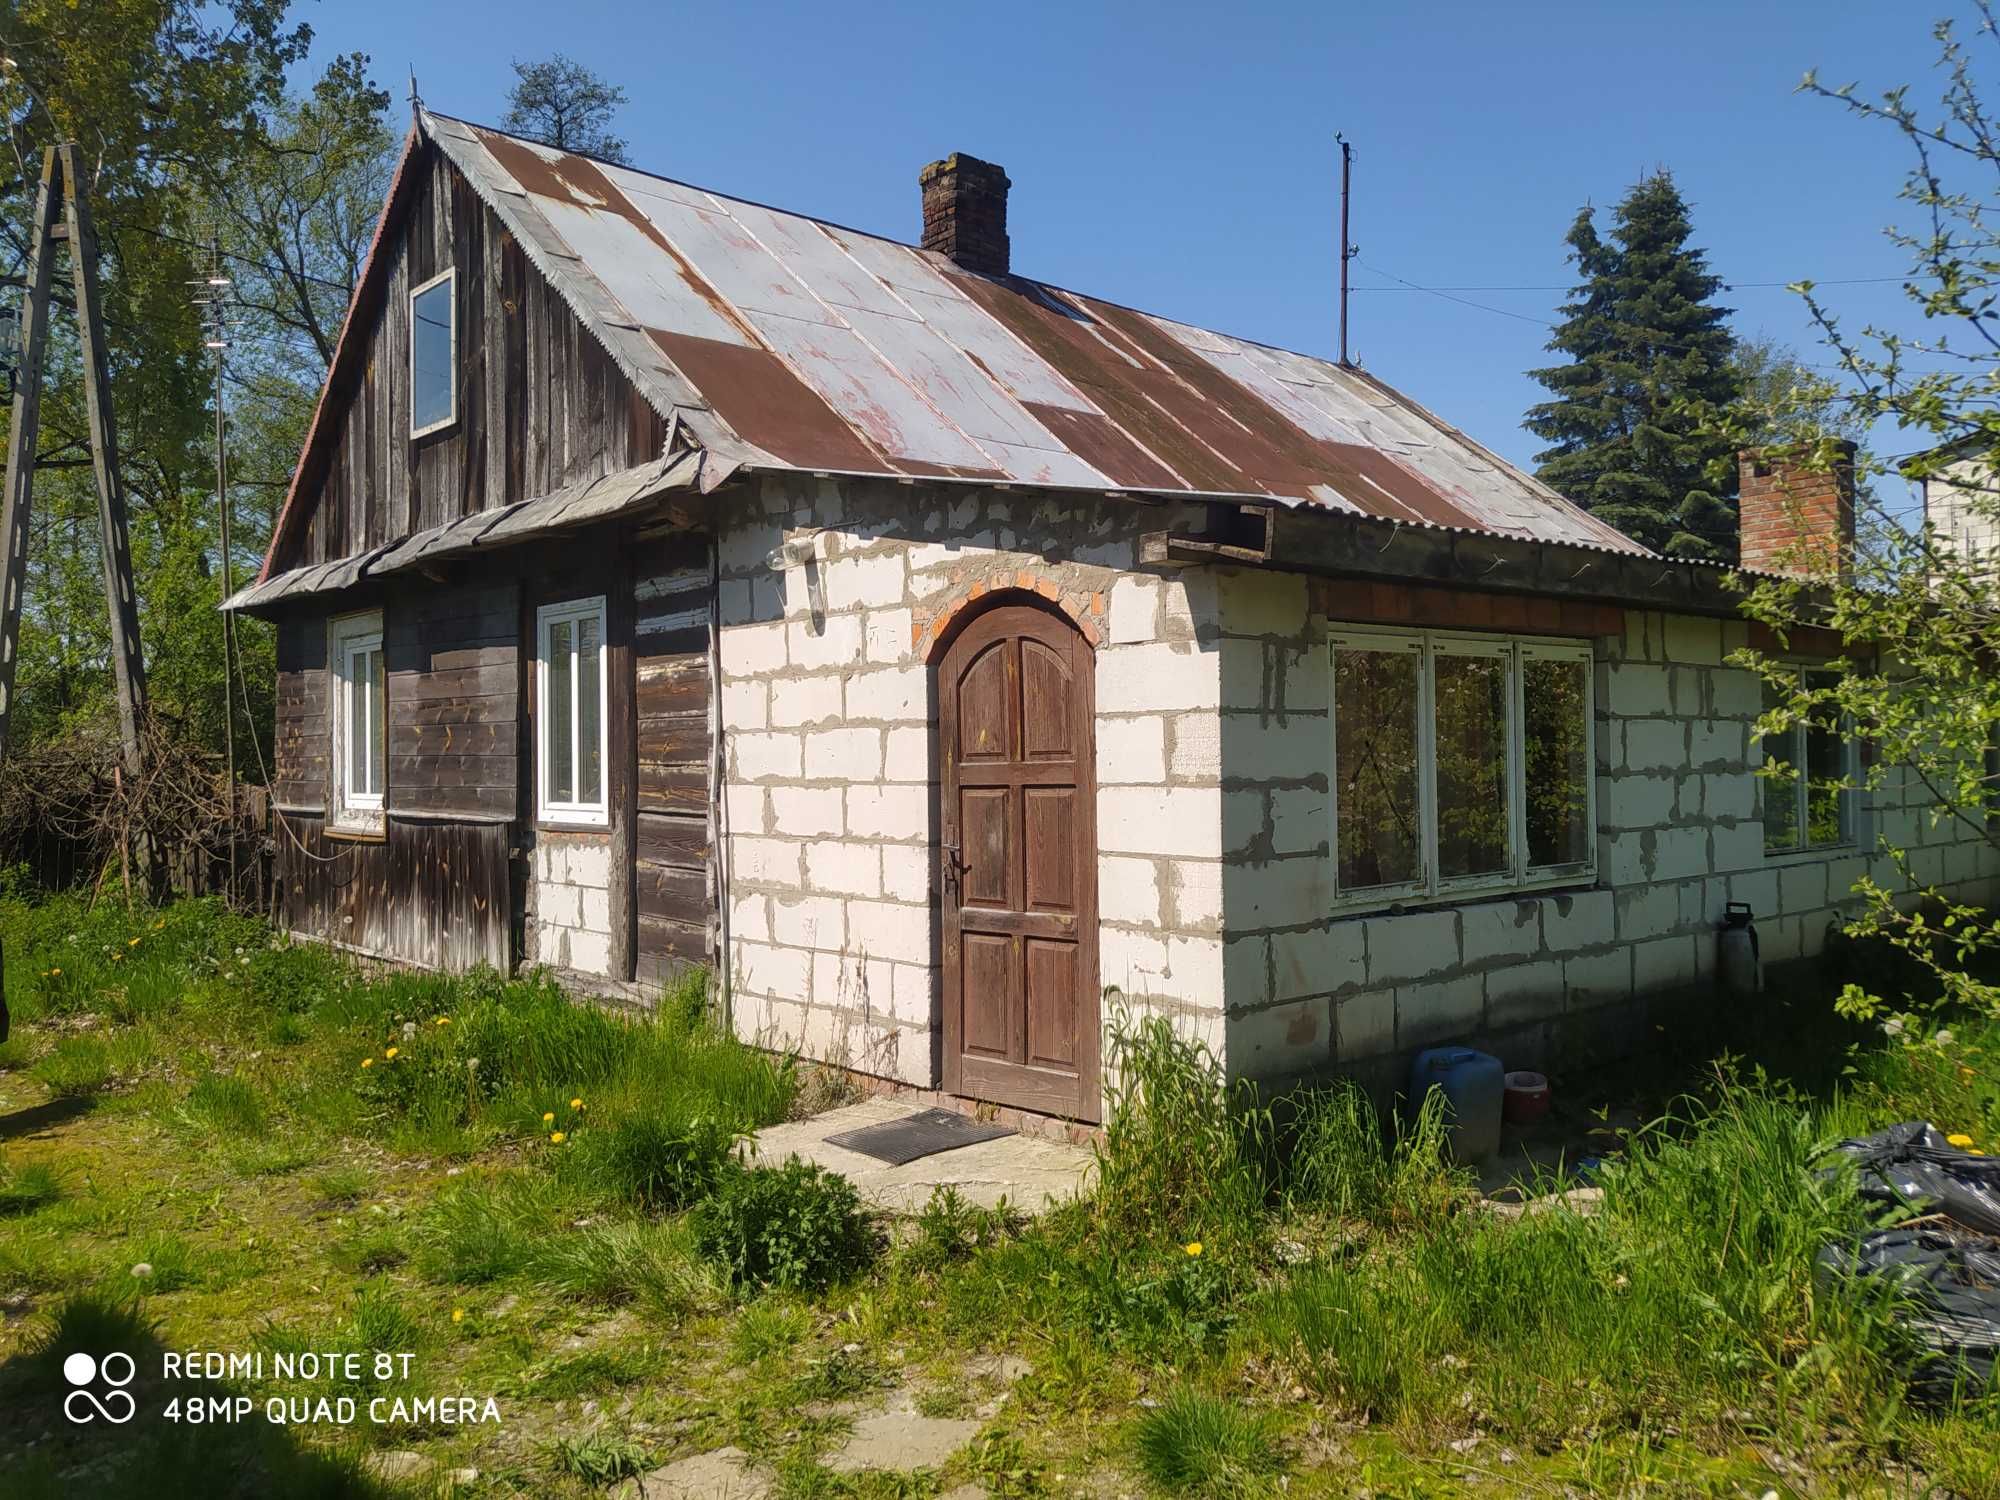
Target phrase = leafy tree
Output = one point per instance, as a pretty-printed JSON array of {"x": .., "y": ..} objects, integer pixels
[
  {"x": 1648, "y": 353},
  {"x": 1918, "y": 615},
  {"x": 562, "y": 103},
  {"x": 187, "y": 126}
]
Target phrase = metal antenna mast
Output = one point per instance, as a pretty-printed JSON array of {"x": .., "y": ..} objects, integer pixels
[
  {"x": 1347, "y": 250},
  {"x": 212, "y": 298}
]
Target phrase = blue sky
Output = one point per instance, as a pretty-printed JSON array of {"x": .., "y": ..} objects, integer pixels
[{"x": 1181, "y": 159}]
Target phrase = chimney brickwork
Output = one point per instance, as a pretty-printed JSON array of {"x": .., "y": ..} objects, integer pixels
[
  {"x": 965, "y": 212},
  {"x": 1795, "y": 519}
]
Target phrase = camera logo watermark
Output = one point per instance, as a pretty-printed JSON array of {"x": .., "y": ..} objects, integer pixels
[{"x": 81, "y": 1371}]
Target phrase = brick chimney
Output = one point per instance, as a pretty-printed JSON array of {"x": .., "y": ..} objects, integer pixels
[
  {"x": 965, "y": 212},
  {"x": 1795, "y": 519}
]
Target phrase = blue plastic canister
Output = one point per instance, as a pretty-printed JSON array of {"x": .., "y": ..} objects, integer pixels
[{"x": 1474, "y": 1086}]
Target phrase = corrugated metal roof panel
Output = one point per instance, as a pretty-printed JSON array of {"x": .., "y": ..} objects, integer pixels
[{"x": 787, "y": 342}]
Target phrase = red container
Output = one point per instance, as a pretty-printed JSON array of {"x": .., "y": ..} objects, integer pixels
[{"x": 1526, "y": 1098}]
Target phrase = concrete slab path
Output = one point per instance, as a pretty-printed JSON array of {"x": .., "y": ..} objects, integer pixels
[{"x": 1030, "y": 1172}]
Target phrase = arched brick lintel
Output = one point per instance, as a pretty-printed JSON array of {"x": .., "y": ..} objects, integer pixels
[{"x": 931, "y": 631}]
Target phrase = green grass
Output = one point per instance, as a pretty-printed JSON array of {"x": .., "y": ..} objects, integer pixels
[
  {"x": 26, "y": 1189},
  {"x": 1197, "y": 1444},
  {"x": 1267, "y": 1295}
]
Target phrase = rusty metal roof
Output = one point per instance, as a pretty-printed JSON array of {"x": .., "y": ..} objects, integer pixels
[{"x": 783, "y": 342}]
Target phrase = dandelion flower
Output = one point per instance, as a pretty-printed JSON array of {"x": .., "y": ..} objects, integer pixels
[
  {"x": 1974, "y": 1151},
  {"x": 1944, "y": 1038},
  {"x": 1960, "y": 1140},
  {"x": 116, "y": 957},
  {"x": 1193, "y": 1247},
  {"x": 367, "y": 1062},
  {"x": 458, "y": 1315},
  {"x": 576, "y": 1104},
  {"x": 159, "y": 924},
  {"x": 444, "y": 1020},
  {"x": 392, "y": 1051},
  {"x": 557, "y": 1138},
  {"x": 54, "y": 973},
  {"x": 131, "y": 942},
  {"x": 548, "y": 1117}
]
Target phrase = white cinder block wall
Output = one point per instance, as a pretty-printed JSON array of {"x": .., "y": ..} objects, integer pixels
[
  {"x": 1680, "y": 834},
  {"x": 569, "y": 901},
  {"x": 829, "y": 803}
]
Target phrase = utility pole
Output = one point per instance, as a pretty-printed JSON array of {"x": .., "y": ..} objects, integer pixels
[
  {"x": 212, "y": 298},
  {"x": 1347, "y": 251},
  {"x": 62, "y": 213}
]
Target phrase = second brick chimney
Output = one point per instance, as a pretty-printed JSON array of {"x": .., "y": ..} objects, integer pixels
[
  {"x": 1796, "y": 518},
  {"x": 965, "y": 212}
]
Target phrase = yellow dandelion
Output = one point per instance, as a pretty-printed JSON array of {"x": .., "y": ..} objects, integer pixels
[
  {"x": 116, "y": 957},
  {"x": 131, "y": 942},
  {"x": 576, "y": 1104},
  {"x": 458, "y": 1315},
  {"x": 53, "y": 973},
  {"x": 557, "y": 1138},
  {"x": 1193, "y": 1247},
  {"x": 548, "y": 1117},
  {"x": 1974, "y": 1151},
  {"x": 1960, "y": 1140},
  {"x": 392, "y": 1051},
  {"x": 367, "y": 1062},
  {"x": 159, "y": 924},
  {"x": 444, "y": 1020}
]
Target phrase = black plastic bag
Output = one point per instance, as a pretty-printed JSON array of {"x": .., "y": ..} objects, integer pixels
[
  {"x": 1950, "y": 1286},
  {"x": 1912, "y": 1165}
]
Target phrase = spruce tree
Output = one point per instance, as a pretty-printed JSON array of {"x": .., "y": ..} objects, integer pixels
[{"x": 1649, "y": 354}]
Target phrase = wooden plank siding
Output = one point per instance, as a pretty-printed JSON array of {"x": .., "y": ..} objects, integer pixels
[
  {"x": 433, "y": 887},
  {"x": 540, "y": 403},
  {"x": 454, "y": 703},
  {"x": 434, "y": 894},
  {"x": 673, "y": 888},
  {"x": 302, "y": 743}
]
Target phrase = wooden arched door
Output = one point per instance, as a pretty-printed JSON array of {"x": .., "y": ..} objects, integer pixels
[{"x": 1018, "y": 862}]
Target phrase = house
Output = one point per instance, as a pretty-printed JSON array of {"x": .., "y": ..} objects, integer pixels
[
  {"x": 1958, "y": 496},
  {"x": 948, "y": 659}
]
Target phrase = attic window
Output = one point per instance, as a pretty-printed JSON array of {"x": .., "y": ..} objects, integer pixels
[{"x": 433, "y": 356}]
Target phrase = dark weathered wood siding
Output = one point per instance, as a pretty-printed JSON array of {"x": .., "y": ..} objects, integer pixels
[
  {"x": 540, "y": 403},
  {"x": 672, "y": 889},
  {"x": 430, "y": 893},
  {"x": 454, "y": 690},
  {"x": 433, "y": 887},
  {"x": 303, "y": 733}
]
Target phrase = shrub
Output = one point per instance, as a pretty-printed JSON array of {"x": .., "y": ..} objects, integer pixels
[
  {"x": 798, "y": 1226},
  {"x": 1196, "y": 1444}
]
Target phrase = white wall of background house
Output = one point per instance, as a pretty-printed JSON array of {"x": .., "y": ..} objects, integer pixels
[{"x": 1219, "y": 902}]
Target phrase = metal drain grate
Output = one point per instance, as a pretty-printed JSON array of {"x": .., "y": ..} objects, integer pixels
[{"x": 922, "y": 1134}]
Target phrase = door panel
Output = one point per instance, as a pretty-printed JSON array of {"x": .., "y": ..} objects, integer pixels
[
  {"x": 1051, "y": 866},
  {"x": 1019, "y": 900}
]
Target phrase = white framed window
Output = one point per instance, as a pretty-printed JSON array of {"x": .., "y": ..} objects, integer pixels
[
  {"x": 1461, "y": 763},
  {"x": 569, "y": 712},
  {"x": 360, "y": 720},
  {"x": 433, "y": 355},
  {"x": 1809, "y": 802}
]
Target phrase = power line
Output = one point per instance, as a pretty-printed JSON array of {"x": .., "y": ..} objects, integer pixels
[
  {"x": 242, "y": 260},
  {"x": 1727, "y": 286}
]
